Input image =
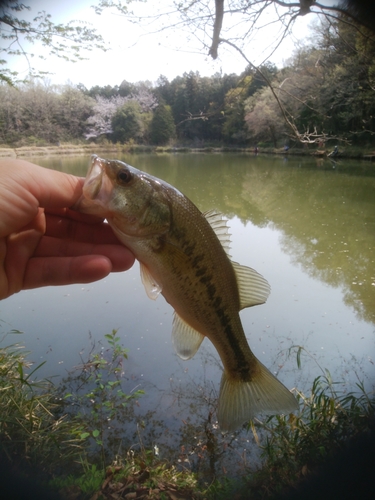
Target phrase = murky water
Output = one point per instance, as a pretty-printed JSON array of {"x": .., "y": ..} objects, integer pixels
[{"x": 308, "y": 226}]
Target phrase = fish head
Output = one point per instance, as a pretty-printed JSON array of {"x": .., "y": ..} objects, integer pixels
[{"x": 133, "y": 202}]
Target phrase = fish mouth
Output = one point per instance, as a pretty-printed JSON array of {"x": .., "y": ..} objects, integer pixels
[
  {"x": 97, "y": 189},
  {"x": 94, "y": 179}
]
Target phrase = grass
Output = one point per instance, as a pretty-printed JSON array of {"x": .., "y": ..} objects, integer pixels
[
  {"x": 41, "y": 432},
  {"x": 295, "y": 445},
  {"x": 28, "y": 425},
  {"x": 84, "y": 485}
]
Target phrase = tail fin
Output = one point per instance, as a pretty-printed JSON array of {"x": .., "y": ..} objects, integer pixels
[{"x": 241, "y": 401}]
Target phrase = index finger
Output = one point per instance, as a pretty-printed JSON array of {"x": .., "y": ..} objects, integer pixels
[
  {"x": 26, "y": 187},
  {"x": 55, "y": 189},
  {"x": 51, "y": 189}
]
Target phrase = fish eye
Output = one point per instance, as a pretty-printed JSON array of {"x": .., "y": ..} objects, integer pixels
[{"x": 124, "y": 176}]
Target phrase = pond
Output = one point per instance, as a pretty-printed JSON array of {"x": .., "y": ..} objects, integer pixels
[{"x": 307, "y": 225}]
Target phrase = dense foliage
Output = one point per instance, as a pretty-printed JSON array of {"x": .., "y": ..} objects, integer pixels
[{"x": 326, "y": 90}]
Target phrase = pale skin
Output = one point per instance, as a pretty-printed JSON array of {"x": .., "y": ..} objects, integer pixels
[{"x": 42, "y": 241}]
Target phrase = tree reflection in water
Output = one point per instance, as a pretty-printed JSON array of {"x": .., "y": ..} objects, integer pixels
[{"x": 179, "y": 424}]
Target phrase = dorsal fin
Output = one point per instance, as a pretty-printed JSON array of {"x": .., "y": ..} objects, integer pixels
[
  {"x": 219, "y": 224},
  {"x": 253, "y": 288}
]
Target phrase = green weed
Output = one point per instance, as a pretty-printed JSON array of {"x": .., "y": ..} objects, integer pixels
[{"x": 97, "y": 391}]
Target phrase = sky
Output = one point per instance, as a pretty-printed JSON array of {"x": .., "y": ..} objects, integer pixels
[{"x": 142, "y": 53}]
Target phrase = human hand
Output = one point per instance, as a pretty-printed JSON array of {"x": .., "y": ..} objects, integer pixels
[{"x": 42, "y": 241}]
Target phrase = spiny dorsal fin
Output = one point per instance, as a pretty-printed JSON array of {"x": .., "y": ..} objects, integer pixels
[
  {"x": 185, "y": 339},
  {"x": 252, "y": 287},
  {"x": 219, "y": 224},
  {"x": 153, "y": 289}
]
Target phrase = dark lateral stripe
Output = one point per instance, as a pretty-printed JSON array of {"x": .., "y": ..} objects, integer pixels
[{"x": 242, "y": 364}]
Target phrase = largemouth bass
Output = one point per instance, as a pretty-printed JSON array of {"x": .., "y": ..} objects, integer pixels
[{"x": 183, "y": 255}]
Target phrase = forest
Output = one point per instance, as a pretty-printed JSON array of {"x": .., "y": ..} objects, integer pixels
[{"x": 326, "y": 91}]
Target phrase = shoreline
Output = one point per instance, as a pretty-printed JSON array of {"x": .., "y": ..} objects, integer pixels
[{"x": 84, "y": 149}]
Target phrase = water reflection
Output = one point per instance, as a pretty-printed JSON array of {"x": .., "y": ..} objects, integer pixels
[
  {"x": 328, "y": 226},
  {"x": 180, "y": 425}
]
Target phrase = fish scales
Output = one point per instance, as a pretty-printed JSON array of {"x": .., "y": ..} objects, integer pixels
[
  {"x": 183, "y": 255},
  {"x": 215, "y": 295},
  {"x": 210, "y": 291}
]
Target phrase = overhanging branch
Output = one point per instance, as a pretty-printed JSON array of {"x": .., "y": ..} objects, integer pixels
[{"x": 219, "y": 16}]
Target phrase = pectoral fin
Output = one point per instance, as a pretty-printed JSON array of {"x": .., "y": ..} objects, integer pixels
[
  {"x": 185, "y": 339},
  {"x": 153, "y": 289},
  {"x": 252, "y": 287}
]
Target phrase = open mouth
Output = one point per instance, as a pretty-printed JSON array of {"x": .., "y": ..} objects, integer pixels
[
  {"x": 94, "y": 179},
  {"x": 96, "y": 190}
]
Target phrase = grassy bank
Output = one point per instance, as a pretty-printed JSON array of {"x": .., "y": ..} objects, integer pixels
[{"x": 69, "y": 149}]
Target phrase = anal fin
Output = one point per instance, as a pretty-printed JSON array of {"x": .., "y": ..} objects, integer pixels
[{"x": 152, "y": 287}]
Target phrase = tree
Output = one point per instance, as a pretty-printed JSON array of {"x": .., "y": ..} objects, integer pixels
[
  {"x": 107, "y": 91},
  {"x": 216, "y": 24},
  {"x": 197, "y": 103},
  {"x": 40, "y": 113},
  {"x": 100, "y": 122},
  {"x": 64, "y": 41},
  {"x": 348, "y": 91},
  {"x": 162, "y": 128},
  {"x": 186, "y": 106},
  {"x": 263, "y": 117},
  {"x": 126, "y": 88},
  {"x": 328, "y": 89},
  {"x": 233, "y": 127},
  {"x": 127, "y": 122},
  {"x": 74, "y": 108}
]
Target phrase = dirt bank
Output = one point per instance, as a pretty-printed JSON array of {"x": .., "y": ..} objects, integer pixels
[{"x": 58, "y": 150}]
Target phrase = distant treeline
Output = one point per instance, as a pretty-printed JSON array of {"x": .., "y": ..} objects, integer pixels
[{"x": 326, "y": 89}]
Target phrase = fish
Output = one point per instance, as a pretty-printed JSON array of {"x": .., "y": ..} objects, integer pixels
[{"x": 184, "y": 255}]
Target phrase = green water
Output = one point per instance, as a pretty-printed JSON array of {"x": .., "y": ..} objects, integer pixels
[
  {"x": 325, "y": 211},
  {"x": 307, "y": 225}
]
